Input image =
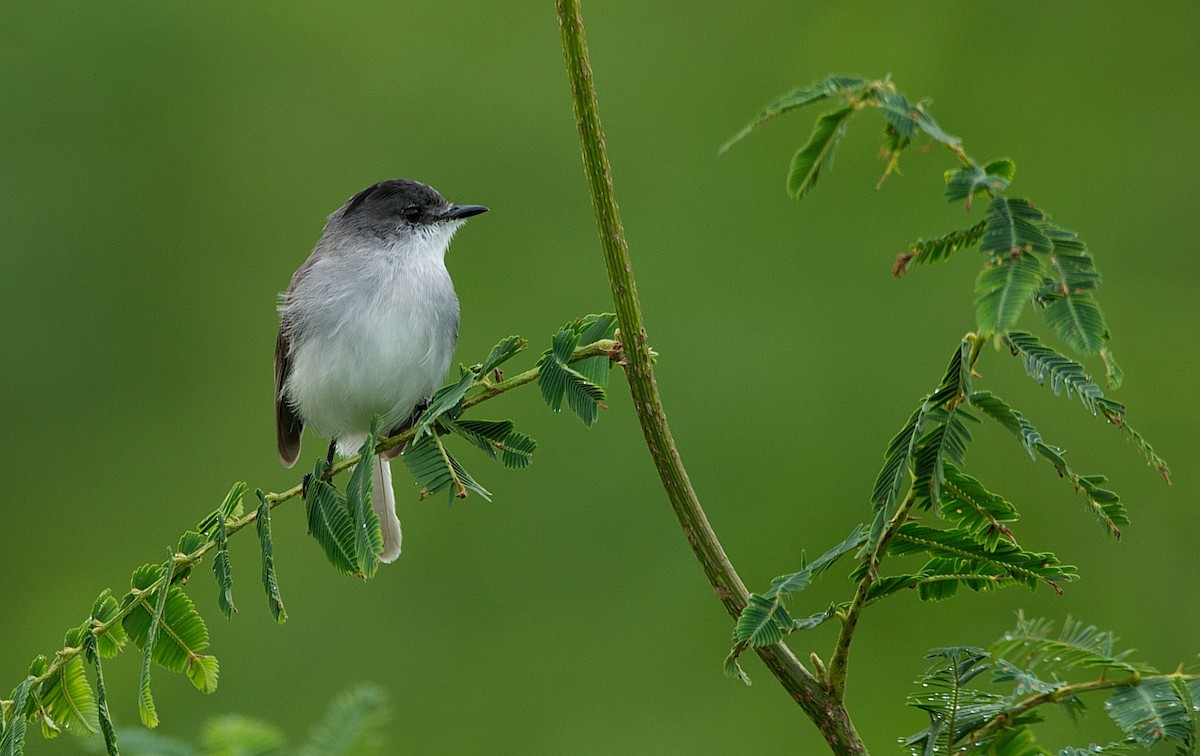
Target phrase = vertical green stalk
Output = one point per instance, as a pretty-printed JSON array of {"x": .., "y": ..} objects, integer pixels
[{"x": 822, "y": 708}]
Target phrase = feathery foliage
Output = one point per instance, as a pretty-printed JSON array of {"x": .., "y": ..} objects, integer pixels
[
  {"x": 954, "y": 709},
  {"x": 1032, "y": 665},
  {"x": 582, "y": 387},
  {"x": 102, "y": 714},
  {"x": 972, "y": 180},
  {"x": 936, "y": 250},
  {"x": 222, "y": 571},
  {"x": 270, "y": 582},
  {"x": 828, "y": 87},
  {"x": 765, "y": 619},
  {"x": 810, "y": 159},
  {"x": 1033, "y": 644},
  {"x": 1028, "y": 262}
]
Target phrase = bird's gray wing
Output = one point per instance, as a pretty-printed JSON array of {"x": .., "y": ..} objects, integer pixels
[{"x": 288, "y": 425}]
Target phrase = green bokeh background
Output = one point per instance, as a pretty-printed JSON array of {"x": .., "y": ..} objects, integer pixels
[{"x": 165, "y": 166}]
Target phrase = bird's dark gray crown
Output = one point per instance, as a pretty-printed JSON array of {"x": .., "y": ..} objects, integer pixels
[{"x": 396, "y": 199}]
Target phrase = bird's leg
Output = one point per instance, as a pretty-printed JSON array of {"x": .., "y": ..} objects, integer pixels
[{"x": 332, "y": 449}]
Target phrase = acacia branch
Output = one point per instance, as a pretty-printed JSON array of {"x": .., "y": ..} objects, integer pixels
[
  {"x": 821, "y": 707},
  {"x": 179, "y": 562}
]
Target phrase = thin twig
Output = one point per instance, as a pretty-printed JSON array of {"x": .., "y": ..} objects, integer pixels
[{"x": 827, "y": 713}]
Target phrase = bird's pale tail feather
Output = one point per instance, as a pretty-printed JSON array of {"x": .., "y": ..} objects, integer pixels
[{"x": 384, "y": 500}]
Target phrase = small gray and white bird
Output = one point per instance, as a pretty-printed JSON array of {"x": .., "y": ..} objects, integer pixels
[{"x": 368, "y": 327}]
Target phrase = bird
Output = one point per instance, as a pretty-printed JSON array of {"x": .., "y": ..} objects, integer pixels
[{"x": 368, "y": 326}]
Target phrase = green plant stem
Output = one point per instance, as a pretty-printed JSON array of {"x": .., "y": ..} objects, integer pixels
[
  {"x": 179, "y": 562},
  {"x": 827, "y": 713},
  {"x": 839, "y": 660},
  {"x": 1000, "y": 721}
]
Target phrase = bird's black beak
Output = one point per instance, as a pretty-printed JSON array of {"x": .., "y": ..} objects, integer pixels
[{"x": 459, "y": 212}]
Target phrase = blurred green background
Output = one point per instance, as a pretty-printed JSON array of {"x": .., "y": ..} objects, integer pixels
[{"x": 165, "y": 167}]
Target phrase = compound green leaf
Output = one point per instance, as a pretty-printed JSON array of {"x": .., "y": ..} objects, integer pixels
[
  {"x": 817, "y": 153},
  {"x": 330, "y": 524},
  {"x": 104, "y": 612},
  {"x": 1002, "y": 291},
  {"x": 270, "y": 583},
  {"x": 845, "y": 86},
  {"x": 1014, "y": 226},
  {"x": 367, "y": 540},
  {"x": 935, "y": 250},
  {"x": 1151, "y": 712}
]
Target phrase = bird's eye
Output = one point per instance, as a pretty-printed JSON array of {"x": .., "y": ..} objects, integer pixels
[{"x": 411, "y": 213}]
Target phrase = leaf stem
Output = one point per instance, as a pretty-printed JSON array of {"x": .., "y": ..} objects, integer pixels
[
  {"x": 827, "y": 713},
  {"x": 838, "y": 662}
]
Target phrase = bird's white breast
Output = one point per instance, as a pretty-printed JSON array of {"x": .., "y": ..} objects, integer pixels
[{"x": 375, "y": 325}]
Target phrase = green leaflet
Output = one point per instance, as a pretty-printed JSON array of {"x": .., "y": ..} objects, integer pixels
[
  {"x": 594, "y": 328},
  {"x": 930, "y": 127},
  {"x": 1024, "y": 681},
  {"x": 502, "y": 352},
  {"x": 898, "y": 112},
  {"x": 231, "y": 506},
  {"x": 189, "y": 543},
  {"x": 222, "y": 571},
  {"x": 935, "y": 250},
  {"x": 352, "y": 725},
  {"x": 817, "y": 153},
  {"x": 763, "y": 622},
  {"x": 104, "y": 612},
  {"x": 66, "y": 696},
  {"x": 800, "y": 580},
  {"x": 1045, "y": 365},
  {"x": 1105, "y": 504},
  {"x": 447, "y": 401},
  {"x": 945, "y": 443},
  {"x": 954, "y": 708},
  {"x": 435, "y": 469},
  {"x": 498, "y": 439},
  {"x": 904, "y": 446},
  {"x": 971, "y": 181},
  {"x": 1014, "y": 226},
  {"x": 329, "y": 523},
  {"x": 1002, "y": 291},
  {"x": 238, "y": 735},
  {"x": 955, "y": 553},
  {"x": 106, "y": 725},
  {"x": 1078, "y": 321},
  {"x": 12, "y": 743},
  {"x": 1034, "y": 643},
  {"x": 175, "y": 629},
  {"x": 367, "y": 538},
  {"x": 975, "y": 510},
  {"x": 143, "y": 578},
  {"x": 1152, "y": 711},
  {"x": 765, "y": 619},
  {"x": 733, "y": 670},
  {"x": 270, "y": 584},
  {"x": 996, "y": 408},
  {"x": 1067, "y": 294},
  {"x": 815, "y": 92},
  {"x": 558, "y": 380}
]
